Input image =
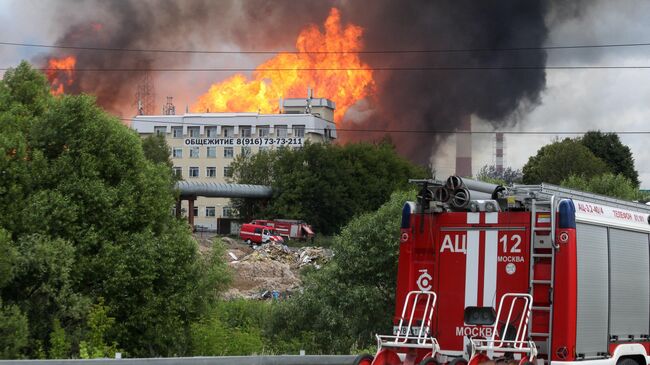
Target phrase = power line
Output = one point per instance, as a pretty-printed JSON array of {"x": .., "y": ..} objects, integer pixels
[
  {"x": 410, "y": 131},
  {"x": 434, "y": 68},
  {"x": 403, "y": 51}
]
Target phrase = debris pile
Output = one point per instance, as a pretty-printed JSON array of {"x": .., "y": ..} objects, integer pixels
[
  {"x": 271, "y": 270},
  {"x": 315, "y": 256}
]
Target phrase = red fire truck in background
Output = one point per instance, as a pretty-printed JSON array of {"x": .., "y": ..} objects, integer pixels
[
  {"x": 527, "y": 274},
  {"x": 288, "y": 228}
]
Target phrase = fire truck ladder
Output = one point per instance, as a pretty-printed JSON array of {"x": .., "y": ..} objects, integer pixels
[
  {"x": 545, "y": 198},
  {"x": 547, "y": 191},
  {"x": 542, "y": 250}
]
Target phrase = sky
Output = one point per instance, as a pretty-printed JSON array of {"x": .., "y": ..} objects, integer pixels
[{"x": 570, "y": 100}]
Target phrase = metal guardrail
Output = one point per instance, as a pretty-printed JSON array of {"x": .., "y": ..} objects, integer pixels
[{"x": 220, "y": 360}]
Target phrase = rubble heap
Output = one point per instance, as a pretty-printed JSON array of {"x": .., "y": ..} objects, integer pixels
[{"x": 271, "y": 269}]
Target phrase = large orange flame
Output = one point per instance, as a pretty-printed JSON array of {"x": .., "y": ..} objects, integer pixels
[
  {"x": 60, "y": 73},
  {"x": 339, "y": 76}
]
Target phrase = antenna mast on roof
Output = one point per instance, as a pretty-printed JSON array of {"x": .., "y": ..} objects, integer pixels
[
  {"x": 309, "y": 97},
  {"x": 169, "y": 108},
  {"x": 145, "y": 95}
]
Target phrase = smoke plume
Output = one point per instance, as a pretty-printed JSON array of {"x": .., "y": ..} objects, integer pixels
[
  {"x": 403, "y": 100},
  {"x": 439, "y": 100}
]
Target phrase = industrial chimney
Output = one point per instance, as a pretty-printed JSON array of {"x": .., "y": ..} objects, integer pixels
[
  {"x": 464, "y": 147},
  {"x": 499, "y": 146}
]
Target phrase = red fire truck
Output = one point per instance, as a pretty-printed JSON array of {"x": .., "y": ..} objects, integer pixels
[
  {"x": 289, "y": 228},
  {"x": 525, "y": 274}
]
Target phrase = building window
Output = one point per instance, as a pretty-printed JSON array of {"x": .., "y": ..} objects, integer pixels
[
  {"x": 211, "y": 172},
  {"x": 178, "y": 171},
  {"x": 210, "y": 132},
  {"x": 194, "y": 152},
  {"x": 228, "y": 212},
  {"x": 210, "y": 212},
  {"x": 177, "y": 132},
  {"x": 299, "y": 131},
  {"x": 227, "y": 131},
  {"x": 245, "y": 131},
  {"x": 193, "y": 132},
  {"x": 177, "y": 152},
  {"x": 228, "y": 152},
  {"x": 227, "y": 171},
  {"x": 281, "y": 131},
  {"x": 263, "y": 131},
  {"x": 194, "y": 171},
  {"x": 212, "y": 152},
  {"x": 160, "y": 130},
  {"x": 246, "y": 151},
  {"x": 196, "y": 211}
]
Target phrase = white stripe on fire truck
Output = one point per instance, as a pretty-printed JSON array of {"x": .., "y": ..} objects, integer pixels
[
  {"x": 471, "y": 269},
  {"x": 492, "y": 218},
  {"x": 490, "y": 264},
  {"x": 473, "y": 218}
]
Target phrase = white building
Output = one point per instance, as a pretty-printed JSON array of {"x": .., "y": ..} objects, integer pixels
[{"x": 203, "y": 145}]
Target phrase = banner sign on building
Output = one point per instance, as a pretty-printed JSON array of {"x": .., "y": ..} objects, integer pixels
[{"x": 259, "y": 141}]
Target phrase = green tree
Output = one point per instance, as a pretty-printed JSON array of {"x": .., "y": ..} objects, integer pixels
[
  {"x": 156, "y": 150},
  {"x": 609, "y": 148},
  {"x": 14, "y": 332},
  {"x": 507, "y": 176},
  {"x": 558, "y": 160},
  {"x": 617, "y": 186},
  {"x": 88, "y": 216},
  {"x": 233, "y": 327},
  {"x": 324, "y": 184},
  {"x": 59, "y": 343},
  {"x": 7, "y": 258},
  {"x": 99, "y": 323},
  {"x": 351, "y": 298}
]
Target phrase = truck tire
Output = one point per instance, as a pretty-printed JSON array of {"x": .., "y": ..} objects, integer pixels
[
  {"x": 363, "y": 359},
  {"x": 248, "y": 242},
  {"x": 626, "y": 361},
  {"x": 428, "y": 361},
  {"x": 458, "y": 361}
]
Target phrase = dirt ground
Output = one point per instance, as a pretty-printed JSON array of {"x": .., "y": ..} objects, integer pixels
[{"x": 265, "y": 271}]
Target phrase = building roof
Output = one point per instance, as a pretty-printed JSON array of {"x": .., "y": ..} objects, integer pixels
[{"x": 312, "y": 123}]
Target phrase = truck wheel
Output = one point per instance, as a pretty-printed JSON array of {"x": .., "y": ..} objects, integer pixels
[
  {"x": 387, "y": 357},
  {"x": 248, "y": 242},
  {"x": 363, "y": 359},
  {"x": 627, "y": 361},
  {"x": 458, "y": 361},
  {"x": 428, "y": 361}
]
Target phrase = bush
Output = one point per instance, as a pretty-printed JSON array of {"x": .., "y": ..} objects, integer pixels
[
  {"x": 351, "y": 298},
  {"x": 232, "y": 328}
]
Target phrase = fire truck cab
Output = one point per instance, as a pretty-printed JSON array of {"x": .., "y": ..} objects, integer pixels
[{"x": 523, "y": 274}]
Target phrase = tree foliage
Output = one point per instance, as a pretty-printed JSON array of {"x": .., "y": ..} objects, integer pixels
[
  {"x": 156, "y": 150},
  {"x": 324, "y": 184},
  {"x": 14, "y": 332},
  {"x": 556, "y": 161},
  {"x": 507, "y": 176},
  {"x": 617, "y": 186},
  {"x": 352, "y": 297},
  {"x": 86, "y": 216},
  {"x": 617, "y": 156},
  {"x": 233, "y": 328}
]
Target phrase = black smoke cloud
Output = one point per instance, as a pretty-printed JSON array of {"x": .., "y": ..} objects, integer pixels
[
  {"x": 166, "y": 24},
  {"x": 404, "y": 100},
  {"x": 440, "y": 100}
]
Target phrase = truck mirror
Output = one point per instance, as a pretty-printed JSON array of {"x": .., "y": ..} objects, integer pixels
[{"x": 480, "y": 315}]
